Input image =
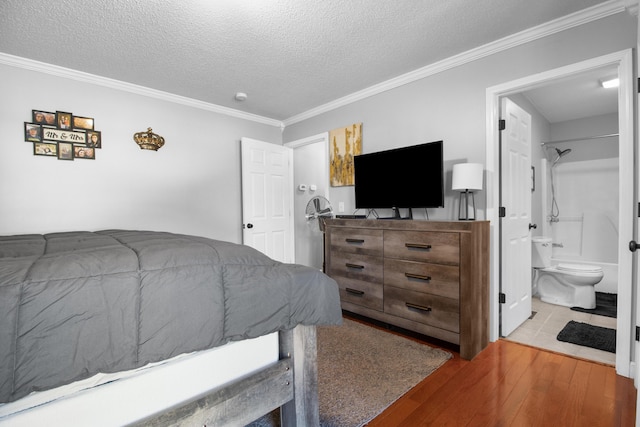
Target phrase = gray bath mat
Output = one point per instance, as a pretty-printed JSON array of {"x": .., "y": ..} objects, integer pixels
[{"x": 589, "y": 336}]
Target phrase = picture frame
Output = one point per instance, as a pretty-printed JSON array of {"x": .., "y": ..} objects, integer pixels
[
  {"x": 45, "y": 118},
  {"x": 62, "y": 134},
  {"x": 94, "y": 139},
  {"x": 82, "y": 123},
  {"x": 65, "y": 151},
  {"x": 49, "y": 149},
  {"x": 83, "y": 152},
  {"x": 32, "y": 132},
  {"x": 64, "y": 120},
  {"x": 345, "y": 144}
]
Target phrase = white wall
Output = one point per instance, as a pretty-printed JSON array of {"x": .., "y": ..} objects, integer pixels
[
  {"x": 308, "y": 170},
  {"x": 191, "y": 185},
  {"x": 587, "y": 149},
  {"x": 450, "y": 105}
]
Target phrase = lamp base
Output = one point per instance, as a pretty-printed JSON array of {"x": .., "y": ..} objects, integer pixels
[{"x": 463, "y": 209}]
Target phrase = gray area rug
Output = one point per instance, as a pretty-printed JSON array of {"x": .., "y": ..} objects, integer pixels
[
  {"x": 589, "y": 336},
  {"x": 362, "y": 370}
]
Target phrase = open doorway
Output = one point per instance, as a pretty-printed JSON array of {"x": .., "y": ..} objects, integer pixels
[
  {"x": 575, "y": 166},
  {"x": 310, "y": 179},
  {"x": 526, "y": 91}
]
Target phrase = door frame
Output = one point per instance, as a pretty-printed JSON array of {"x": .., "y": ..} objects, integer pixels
[
  {"x": 624, "y": 61},
  {"x": 321, "y": 138}
]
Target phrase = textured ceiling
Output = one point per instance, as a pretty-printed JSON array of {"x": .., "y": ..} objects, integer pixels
[{"x": 289, "y": 56}]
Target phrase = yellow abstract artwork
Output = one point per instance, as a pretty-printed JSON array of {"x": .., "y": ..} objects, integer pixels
[{"x": 344, "y": 144}]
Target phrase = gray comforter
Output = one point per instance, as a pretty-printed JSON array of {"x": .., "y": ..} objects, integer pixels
[{"x": 78, "y": 303}]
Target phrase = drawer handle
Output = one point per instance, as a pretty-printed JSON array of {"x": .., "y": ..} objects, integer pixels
[
  {"x": 354, "y": 291},
  {"x": 418, "y": 276},
  {"x": 355, "y": 241},
  {"x": 418, "y": 246},
  {"x": 358, "y": 266},
  {"x": 417, "y": 307}
]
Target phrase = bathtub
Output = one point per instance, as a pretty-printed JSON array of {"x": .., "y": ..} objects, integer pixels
[{"x": 608, "y": 284}]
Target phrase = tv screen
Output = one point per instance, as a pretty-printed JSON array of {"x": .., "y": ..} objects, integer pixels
[{"x": 408, "y": 177}]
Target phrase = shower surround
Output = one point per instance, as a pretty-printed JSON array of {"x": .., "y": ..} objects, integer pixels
[{"x": 586, "y": 229}]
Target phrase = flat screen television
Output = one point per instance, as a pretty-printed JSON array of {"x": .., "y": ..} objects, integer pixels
[{"x": 407, "y": 177}]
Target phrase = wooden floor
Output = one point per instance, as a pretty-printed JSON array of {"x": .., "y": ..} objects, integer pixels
[{"x": 510, "y": 384}]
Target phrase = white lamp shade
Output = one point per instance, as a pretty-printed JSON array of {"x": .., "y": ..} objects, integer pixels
[{"x": 467, "y": 176}]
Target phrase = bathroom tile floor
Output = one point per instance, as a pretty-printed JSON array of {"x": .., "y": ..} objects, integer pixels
[{"x": 541, "y": 331}]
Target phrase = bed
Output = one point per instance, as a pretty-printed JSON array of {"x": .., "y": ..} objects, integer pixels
[{"x": 110, "y": 307}]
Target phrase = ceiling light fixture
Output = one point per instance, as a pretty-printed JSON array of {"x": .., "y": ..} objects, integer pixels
[
  {"x": 610, "y": 83},
  {"x": 241, "y": 96}
]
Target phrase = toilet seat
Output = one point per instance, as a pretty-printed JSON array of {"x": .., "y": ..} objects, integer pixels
[{"x": 579, "y": 268}]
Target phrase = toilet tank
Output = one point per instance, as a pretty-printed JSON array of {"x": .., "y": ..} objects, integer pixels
[{"x": 541, "y": 252}]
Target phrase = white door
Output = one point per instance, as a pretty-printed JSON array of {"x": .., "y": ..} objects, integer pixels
[
  {"x": 267, "y": 206},
  {"x": 515, "y": 175}
]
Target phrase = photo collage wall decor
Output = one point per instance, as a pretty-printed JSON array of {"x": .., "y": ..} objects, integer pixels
[{"x": 62, "y": 135}]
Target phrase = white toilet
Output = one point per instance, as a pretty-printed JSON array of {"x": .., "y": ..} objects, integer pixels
[{"x": 570, "y": 285}]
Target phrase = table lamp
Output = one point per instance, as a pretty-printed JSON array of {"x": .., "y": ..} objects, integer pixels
[{"x": 467, "y": 178}]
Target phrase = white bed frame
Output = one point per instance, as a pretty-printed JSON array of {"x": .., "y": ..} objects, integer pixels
[
  {"x": 262, "y": 383},
  {"x": 291, "y": 384}
]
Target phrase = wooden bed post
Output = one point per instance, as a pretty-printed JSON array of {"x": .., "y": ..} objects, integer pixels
[{"x": 300, "y": 345}]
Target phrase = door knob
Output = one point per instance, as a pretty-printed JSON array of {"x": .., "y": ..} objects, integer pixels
[
  {"x": 633, "y": 246},
  {"x": 249, "y": 225},
  {"x": 532, "y": 226}
]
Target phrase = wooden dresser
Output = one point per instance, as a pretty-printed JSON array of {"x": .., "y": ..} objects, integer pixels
[{"x": 430, "y": 277}]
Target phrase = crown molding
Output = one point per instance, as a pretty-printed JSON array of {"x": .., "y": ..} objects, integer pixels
[
  {"x": 632, "y": 6},
  {"x": 591, "y": 14},
  {"x": 67, "y": 73}
]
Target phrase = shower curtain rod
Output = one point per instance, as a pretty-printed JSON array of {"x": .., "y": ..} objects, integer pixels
[{"x": 579, "y": 139}]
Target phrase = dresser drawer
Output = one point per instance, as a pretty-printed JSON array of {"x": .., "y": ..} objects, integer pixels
[
  {"x": 433, "y": 310},
  {"x": 361, "y": 293},
  {"x": 356, "y": 240},
  {"x": 356, "y": 267},
  {"x": 429, "y": 246},
  {"x": 437, "y": 279},
  {"x": 359, "y": 278}
]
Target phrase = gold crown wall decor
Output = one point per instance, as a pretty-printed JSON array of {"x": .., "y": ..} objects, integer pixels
[{"x": 148, "y": 140}]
